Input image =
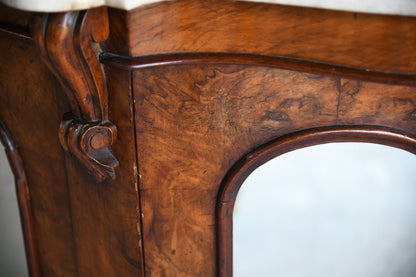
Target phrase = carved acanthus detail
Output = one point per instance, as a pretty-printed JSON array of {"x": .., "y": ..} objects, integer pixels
[
  {"x": 90, "y": 142},
  {"x": 69, "y": 44}
]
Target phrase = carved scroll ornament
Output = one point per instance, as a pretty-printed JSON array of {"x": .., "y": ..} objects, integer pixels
[{"x": 69, "y": 44}]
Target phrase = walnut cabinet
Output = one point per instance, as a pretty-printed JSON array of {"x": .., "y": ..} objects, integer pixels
[{"x": 130, "y": 132}]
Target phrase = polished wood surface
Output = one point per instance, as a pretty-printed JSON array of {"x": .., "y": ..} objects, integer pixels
[
  {"x": 105, "y": 215},
  {"x": 81, "y": 228},
  {"x": 191, "y": 91},
  {"x": 30, "y": 104},
  {"x": 194, "y": 122},
  {"x": 374, "y": 42},
  {"x": 69, "y": 45}
]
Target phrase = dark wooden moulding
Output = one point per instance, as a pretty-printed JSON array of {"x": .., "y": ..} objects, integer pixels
[
  {"x": 180, "y": 81},
  {"x": 22, "y": 192}
]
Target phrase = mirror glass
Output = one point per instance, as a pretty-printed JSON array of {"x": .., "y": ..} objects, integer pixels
[
  {"x": 12, "y": 252},
  {"x": 337, "y": 209}
]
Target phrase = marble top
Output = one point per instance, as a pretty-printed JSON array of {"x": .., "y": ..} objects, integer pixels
[{"x": 395, "y": 7}]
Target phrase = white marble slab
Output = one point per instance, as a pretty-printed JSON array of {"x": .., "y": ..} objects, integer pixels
[
  {"x": 67, "y": 5},
  {"x": 397, "y": 7},
  {"x": 394, "y": 7}
]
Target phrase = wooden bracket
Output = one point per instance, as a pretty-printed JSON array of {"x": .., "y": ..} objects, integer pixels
[
  {"x": 90, "y": 142},
  {"x": 69, "y": 45}
]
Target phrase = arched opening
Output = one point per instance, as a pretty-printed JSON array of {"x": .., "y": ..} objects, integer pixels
[
  {"x": 374, "y": 136},
  {"x": 338, "y": 209}
]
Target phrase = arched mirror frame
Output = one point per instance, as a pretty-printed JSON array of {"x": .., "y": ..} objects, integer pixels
[
  {"x": 16, "y": 165},
  {"x": 249, "y": 162}
]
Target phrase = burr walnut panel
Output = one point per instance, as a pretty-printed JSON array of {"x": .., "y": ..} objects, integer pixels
[{"x": 194, "y": 122}]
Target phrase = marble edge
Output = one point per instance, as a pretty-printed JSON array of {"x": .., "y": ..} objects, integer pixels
[{"x": 386, "y": 7}]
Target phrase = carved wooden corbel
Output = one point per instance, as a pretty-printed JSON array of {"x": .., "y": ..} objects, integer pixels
[{"x": 69, "y": 44}]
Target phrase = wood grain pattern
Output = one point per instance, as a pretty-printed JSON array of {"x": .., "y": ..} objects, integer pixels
[
  {"x": 81, "y": 228},
  {"x": 22, "y": 192},
  {"x": 375, "y": 42},
  {"x": 193, "y": 86},
  {"x": 129, "y": 226},
  {"x": 107, "y": 229},
  {"x": 194, "y": 122},
  {"x": 66, "y": 43},
  {"x": 249, "y": 162},
  {"x": 31, "y": 105}
]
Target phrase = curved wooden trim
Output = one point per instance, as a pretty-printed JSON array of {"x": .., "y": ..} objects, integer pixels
[
  {"x": 247, "y": 164},
  {"x": 66, "y": 41},
  {"x": 315, "y": 67},
  {"x": 22, "y": 192},
  {"x": 69, "y": 43}
]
